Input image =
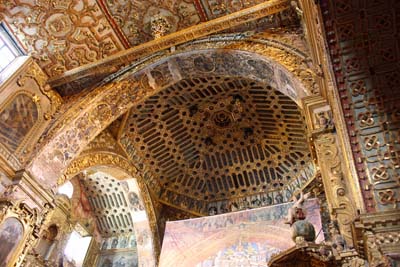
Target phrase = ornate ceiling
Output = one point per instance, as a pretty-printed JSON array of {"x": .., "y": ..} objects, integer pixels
[
  {"x": 135, "y": 19},
  {"x": 217, "y": 138},
  {"x": 117, "y": 205},
  {"x": 364, "y": 45},
  {"x": 110, "y": 203},
  {"x": 63, "y": 35}
]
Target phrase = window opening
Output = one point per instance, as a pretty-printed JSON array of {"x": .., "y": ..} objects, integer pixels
[
  {"x": 76, "y": 248},
  {"x": 9, "y": 49}
]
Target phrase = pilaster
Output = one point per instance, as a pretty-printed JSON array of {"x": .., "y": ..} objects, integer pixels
[{"x": 329, "y": 157}]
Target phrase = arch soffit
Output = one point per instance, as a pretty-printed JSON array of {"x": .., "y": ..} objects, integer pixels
[
  {"x": 110, "y": 160},
  {"x": 84, "y": 121}
]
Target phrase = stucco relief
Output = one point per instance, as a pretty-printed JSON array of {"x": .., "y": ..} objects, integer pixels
[
  {"x": 134, "y": 18},
  {"x": 61, "y": 35}
]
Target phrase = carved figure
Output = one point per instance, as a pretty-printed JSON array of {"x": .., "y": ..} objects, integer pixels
[
  {"x": 279, "y": 198},
  {"x": 160, "y": 26},
  {"x": 296, "y": 7},
  {"x": 302, "y": 230},
  {"x": 296, "y": 212}
]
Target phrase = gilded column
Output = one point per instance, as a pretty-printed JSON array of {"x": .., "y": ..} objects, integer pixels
[{"x": 328, "y": 154}]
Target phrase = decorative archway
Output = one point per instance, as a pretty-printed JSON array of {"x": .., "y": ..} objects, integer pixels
[
  {"x": 97, "y": 110},
  {"x": 102, "y": 159}
]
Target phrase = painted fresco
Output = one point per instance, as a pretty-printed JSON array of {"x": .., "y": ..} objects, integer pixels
[
  {"x": 5, "y": 183},
  {"x": 142, "y": 237},
  {"x": 119, "y": 242},
  {"x": 16, "y": 120},
  {"x": 120, "y": 259},
  {"x": 137, "y": 239},
  {"x": 245, "y": 238},
  {"x": 119, "y": 251},
  {"x": 11, "y": 232}
]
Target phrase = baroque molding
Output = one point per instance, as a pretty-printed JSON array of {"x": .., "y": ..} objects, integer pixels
[
  {"x": 35, "y": 73},
  {"x": 377, "y": 236},
  {"x": 31, "y": 220},
  {"x": 182, "y": 36},
  {"x": 89, "y": 160},
  {"x": 337, "y": 193}
]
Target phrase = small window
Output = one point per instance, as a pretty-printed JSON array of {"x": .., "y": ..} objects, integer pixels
[
  {"x": 66, "y": 189},
  {"x": 76, "y": 248},
  {"x": 9, "y": 49}
]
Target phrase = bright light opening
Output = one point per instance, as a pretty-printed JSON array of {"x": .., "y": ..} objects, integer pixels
[
  {"x": 76, "y": 248},
  {"x": 66, "y": 189},
  {"x": 8, "y": 48}
]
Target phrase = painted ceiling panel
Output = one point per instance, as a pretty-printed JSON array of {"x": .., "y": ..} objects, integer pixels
[
  {"x": 64, "y": 35},
  {"x": 61, "y": 35},
  {"x": 134, "y": 17}
]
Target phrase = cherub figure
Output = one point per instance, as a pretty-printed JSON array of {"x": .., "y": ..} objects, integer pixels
[{"x": 296, "y": 212}]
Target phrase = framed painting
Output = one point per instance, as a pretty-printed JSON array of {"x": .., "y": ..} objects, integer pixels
[{"x": 11, "y": 235}]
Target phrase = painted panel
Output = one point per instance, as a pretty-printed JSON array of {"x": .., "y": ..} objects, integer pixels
[
  {"x": 11, "y": 233},
  {"x": 246, "y": 238},
  {"x": 120, "y": 259},
  {"x": 17, "y": 118},
  {"x": 119, "y": 251}
]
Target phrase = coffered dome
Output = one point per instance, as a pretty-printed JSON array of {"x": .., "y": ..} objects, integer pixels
[{"x": 216, "y": 138}]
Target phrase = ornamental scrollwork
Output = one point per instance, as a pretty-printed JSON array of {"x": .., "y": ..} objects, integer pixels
[
  {"x": 35, "y": 73},
  {"x": 341, "y": 205}
]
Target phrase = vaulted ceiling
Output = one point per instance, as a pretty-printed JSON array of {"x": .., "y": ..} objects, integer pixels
[
  {"x": 216, "y": 138},
  {"x": 64, "y": 35},
  {"x": 205, "y": 139}
]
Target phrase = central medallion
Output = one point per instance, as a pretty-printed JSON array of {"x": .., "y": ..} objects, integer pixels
[
  {"x": 222, "y": 119},
  {"x": 221, "y": 116}
]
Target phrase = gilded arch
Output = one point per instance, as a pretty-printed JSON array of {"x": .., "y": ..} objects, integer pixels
[
  {"x": 106, "y": 159},
  {"x": 106, "y": 103}
]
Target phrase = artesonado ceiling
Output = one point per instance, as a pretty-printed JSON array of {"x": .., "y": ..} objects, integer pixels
[{"x": 207, "y": 139}]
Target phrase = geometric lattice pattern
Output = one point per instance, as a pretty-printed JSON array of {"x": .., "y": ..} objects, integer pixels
[
  {"x": 365, "y": 50},
  {"x": 111, "y": 203},
  {"x": 218, "y": 138}
]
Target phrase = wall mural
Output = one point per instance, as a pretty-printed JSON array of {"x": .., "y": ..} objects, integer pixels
[
  {"x": 142, "y": 236},
  {"x": 16, "y": 119},
  {"x": 11, "y": 233},
  {"x": 121, "y": 219},
  {"x": 246, "y": 238},
  {"x": 81, "y": 209},
  {"x": 5, "y": 183},
  {"x": 119, "y": 251},
  {"x": 120, "y": 259}
]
